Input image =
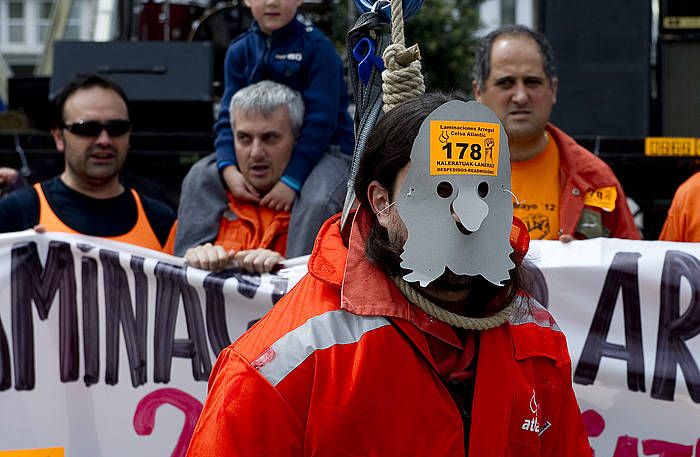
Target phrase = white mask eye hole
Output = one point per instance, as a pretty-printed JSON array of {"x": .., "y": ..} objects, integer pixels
[
  {"x": 483, "y": 189},
  {"x": 444, "y": 189}
]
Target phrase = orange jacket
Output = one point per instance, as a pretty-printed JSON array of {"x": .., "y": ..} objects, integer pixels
[
  {"x": 141, "y": 234},
  {"x": 683, "y": 219},
  {"x": 582, "y": 172},
  {"x": 348, "y": 372},
  {"x": 249, "y": 226}
]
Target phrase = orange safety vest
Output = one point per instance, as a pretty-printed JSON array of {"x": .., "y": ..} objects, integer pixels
[
  {"x": 141, "y": 234},
  {"x": 341, "y": 366}
]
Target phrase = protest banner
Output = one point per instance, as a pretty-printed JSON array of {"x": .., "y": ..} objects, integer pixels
[
  {"x": 96, "y": 336},
  {"x": 630, "y": 311},
  {"x": 105, "y": 348}
]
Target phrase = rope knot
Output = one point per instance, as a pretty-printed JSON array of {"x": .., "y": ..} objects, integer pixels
[{"x": 402, "y": 78}]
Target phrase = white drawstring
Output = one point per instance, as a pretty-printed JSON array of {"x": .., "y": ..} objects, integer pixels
[
  {"x": 386, "y": 207},
  {"x": 408, "y": 194},
  {"x": 514, "y": 196}
]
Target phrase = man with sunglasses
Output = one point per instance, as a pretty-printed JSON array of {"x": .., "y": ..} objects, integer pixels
[{"x": 92, "y": 131}]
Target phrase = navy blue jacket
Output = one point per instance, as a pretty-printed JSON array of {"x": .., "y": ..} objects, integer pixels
[{"x": 303, "y": 58}]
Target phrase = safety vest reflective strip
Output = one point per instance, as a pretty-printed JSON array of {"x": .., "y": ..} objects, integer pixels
[{"x": 319, "y": 332}]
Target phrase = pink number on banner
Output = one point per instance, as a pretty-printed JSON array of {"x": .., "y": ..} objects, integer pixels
[
  {"x": 145, "y": 414},
  {"x": 593, "y": 422},
  {"x": 666, "y": 449},
  {"x": 626, "y": 446}
]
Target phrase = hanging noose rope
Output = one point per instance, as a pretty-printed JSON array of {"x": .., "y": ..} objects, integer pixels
[
  {"x": 379, "y": 86},
  {"x": 402, "y": 78}
]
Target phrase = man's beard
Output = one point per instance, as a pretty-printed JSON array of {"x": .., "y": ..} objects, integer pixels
[{"x": 382, "y": 252}]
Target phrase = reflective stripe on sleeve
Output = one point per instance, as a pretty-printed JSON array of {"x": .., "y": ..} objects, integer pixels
[{"x": 319, "y": 332}]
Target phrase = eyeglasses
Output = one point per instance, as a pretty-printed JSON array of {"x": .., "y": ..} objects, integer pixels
[{"x": 114, "y": 127}]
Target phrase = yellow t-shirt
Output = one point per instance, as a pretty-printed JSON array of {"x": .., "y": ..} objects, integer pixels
[{"x": 536, "y": 184}]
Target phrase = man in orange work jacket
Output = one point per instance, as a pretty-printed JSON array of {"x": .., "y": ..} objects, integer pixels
[
  {"x": 562, "y": 191},
  {"x": 92, "y": 132},
  {"x": 363, "y": 357},
  {"x": 266, "y": 120}
]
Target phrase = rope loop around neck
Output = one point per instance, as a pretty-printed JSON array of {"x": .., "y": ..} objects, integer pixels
[{"x": 448, "y": 317}]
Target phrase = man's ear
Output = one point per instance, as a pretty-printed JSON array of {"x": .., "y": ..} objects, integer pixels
[
  {"x": 57, "y": 135},
  {"x": 476, "y": 91},
  {"x": 555, "y": 86},
  {"x": 378, "y": 197}
]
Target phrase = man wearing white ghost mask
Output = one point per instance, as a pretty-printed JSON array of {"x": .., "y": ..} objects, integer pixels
[{"x": 412, "y": 333}]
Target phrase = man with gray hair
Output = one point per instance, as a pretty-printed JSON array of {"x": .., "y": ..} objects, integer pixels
[
  {"x": 562, "y": 190},
  {"x": 266, "y": 120}
]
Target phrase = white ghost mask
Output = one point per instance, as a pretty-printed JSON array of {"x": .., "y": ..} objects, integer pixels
[{"x": 455, "y": 200}]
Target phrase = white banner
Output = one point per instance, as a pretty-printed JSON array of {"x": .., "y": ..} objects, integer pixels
[
  {"x": 630, "y": 311},
  {"x": 105, "y": 348}
]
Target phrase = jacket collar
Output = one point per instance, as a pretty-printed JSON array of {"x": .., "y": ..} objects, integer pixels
[
  {"x": 580, "y": 170},
  {"x": 343, "y": 264},
  {"x": 286, "y": 33},
  {"x": 365, "y": 289}
]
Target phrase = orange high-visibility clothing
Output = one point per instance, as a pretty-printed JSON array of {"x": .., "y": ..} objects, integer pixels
[
  {"x": 582, "y": 172},
  {"x": 141, "y": 233},
  {"x": 250, "y": 226},
  {"x": 683, "y": 219},
  {"x": 341, "y": 366}
]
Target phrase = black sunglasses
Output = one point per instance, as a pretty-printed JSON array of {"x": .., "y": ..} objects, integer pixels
[{"x": 114, "y": 127}]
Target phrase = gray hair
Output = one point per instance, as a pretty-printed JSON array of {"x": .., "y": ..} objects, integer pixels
[
  {"x": 482, "y": 57},
  {"x": 265, "y": 97}
]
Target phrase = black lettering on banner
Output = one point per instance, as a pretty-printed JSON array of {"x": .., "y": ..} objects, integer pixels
[
  {"x": 216, "y": 312},
  {"x": 119, "y": 310},
  {"x": 675, "y": 329},
  {"x": 247, "y": 285},
  {"x": 279, "y": 288},
  {"x": 91, "y": 322},
  {"x": 5, "y": 373},
  {"x": 171, "y": 285},
  {"x": 622, "y": 274},
  {"x": 29, "y": 281}
]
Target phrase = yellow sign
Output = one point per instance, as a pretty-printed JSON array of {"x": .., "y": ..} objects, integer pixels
[
  {"x": 48, "y": 452},
  {"x": 603, "y": 198},
  {"x": 669, "y": 147},
  {"x": 682, "y": 22},
  {"x": 464, "y": 148}
]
